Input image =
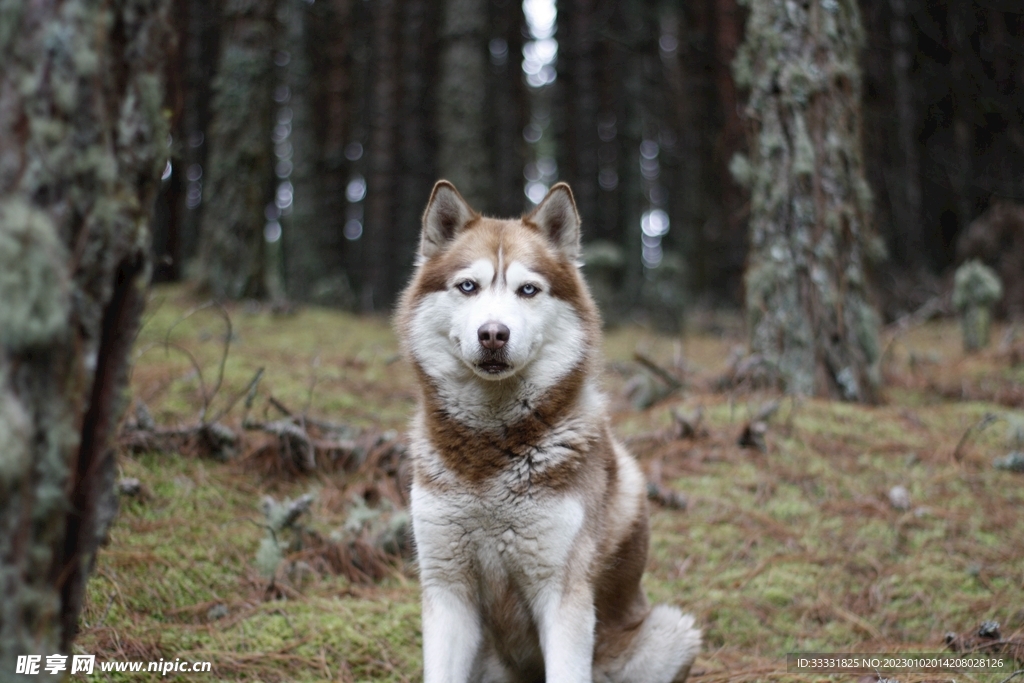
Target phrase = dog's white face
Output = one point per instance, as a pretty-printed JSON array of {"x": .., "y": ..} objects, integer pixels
[
  {"x": 497, "y": 323},
  {"x": 493, "y": 299}
]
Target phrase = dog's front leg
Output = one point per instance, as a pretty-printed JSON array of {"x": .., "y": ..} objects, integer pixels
[
  {"x": 566, "y": 627},
  {"x": 451, "y": 635}
]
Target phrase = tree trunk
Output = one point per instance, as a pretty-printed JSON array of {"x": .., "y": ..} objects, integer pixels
[
  {"x": 416, "y": 132},
  {"x": 330, "y": 32},
  {"x": 201, "y": 45},
  {"x": 461, "y": 100},
  {"x": 578, "y": 143},
  {"x": 381, "y": 185},
  {"x": 907, "y": 207},
  {"x": 239, "y": 177},
  {"x": 509, "y": 107},
  {"x": 810, "y": 205},
  {"x": 305, "y": 236},
  {"x": 83, "y": 141},
  {"x": 729, "y": 243}
]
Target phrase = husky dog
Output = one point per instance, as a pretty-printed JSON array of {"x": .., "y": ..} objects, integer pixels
[{"x": 530, "y": 519}]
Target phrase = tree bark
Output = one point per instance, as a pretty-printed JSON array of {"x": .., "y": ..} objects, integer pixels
[
  {"x": 329, "y": 46},
  {"x": 509, "y": 107},
  {"x": 306, "y": 233},
  {"x": 810, "y": 206},
  {"x": 461, "y": 101},
  {"x": 577, "y": 84},
  {"x": 418, "y": 141},
  {"x": 201, "y": 45},
  {"x": 83, "y": 141},
  {"x": 907, "y": 207},
  {"x": 239, "y": 177},
  {"x": 382, "y": 158}
]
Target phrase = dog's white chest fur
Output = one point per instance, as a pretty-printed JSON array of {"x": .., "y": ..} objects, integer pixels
[{"x": 525, "y": 539}]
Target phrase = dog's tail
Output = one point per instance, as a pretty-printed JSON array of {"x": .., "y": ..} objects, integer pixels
[{"x": 662, "y": 651}]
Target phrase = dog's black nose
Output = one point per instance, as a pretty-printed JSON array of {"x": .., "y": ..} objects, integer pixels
[{"x": 492, "y": 335}]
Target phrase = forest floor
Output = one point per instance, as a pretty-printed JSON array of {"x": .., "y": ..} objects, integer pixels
[{"x": 799, "y": 546}]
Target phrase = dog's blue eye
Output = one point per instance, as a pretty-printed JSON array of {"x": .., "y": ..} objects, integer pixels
[
  {"x": 467, "y": 286},
  {"x": 528, "y": 290}
]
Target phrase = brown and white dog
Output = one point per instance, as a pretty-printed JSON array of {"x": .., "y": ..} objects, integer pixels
[{"x": 530, "y": 519}]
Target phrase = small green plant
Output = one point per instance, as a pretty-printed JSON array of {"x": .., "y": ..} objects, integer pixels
[{"x": 976, "y": 289}]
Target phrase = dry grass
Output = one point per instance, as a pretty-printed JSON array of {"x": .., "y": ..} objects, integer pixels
[{"x": 796, "y": 548}]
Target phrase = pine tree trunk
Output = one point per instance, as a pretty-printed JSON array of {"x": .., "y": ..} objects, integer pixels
[
  {"x": 314, "y": 245},
  {"x": 509, "y": 107},
  {"x": 83, "y": 141},
  {"x": 238, "y": 179},
  {"x": 382, "y": 158},
  {"x": 201, "y": 45},
  {"x": 461, "y": 101},
  {"x": 577, "y": 83},
  {"x": 907, "y": 204},
  {"x": 810, "y": 206},
  {"x": 306, "y": 252},
  {"x": 416, "y": 127}
]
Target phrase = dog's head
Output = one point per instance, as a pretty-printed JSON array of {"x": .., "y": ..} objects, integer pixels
[{"x": 498, "y": 298}]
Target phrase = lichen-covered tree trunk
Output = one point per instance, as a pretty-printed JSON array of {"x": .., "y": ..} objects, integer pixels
[
  {"x": 238, "y": 180},
  {"x": 809, "y": 316},
  {"x": 83, "y": 140},
  {"x": 463, "y": 147}
]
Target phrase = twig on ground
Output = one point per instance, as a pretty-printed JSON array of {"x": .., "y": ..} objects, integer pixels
[
  {"x": 249, "y": 392},
  {"x": 661, "y": 373},
  {"x": 224, "y": 356},
  {"x": 972, "y": 431},
  {"x": 689, "y": 425}
]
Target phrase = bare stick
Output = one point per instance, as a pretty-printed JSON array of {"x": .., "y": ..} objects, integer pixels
[
  {"x": 661, "y": 373},
  {"x": 975, "y": 429},
  {"x": 227, "y": 344},
  {"x": 249, "y": 392}
]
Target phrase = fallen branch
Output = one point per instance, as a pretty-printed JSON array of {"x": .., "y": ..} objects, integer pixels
[
  {"x": 661, "y": 373},
  {"x": 972, "y": 431}
]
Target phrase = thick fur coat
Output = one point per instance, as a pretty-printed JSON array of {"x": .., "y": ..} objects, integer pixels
[{"x": 530, "y": 519}]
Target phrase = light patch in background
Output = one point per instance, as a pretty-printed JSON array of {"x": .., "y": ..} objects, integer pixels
[
  {"x": 356, "y": 189},
  {"x": 654, "y": 222},
  {"x": 353, "y": 229},
  {"x": 272, "y": 231},
  {"x": 285, "y": 195},
  {"x": 353, "y": 151},
  {"x": 498, "y": 48},
  {"x": 540, "y": 53},
  {"x": 540, "y": 175},
  {"x": 536, "y": 191}
]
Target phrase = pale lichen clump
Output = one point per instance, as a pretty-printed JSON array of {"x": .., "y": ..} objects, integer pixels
[
  {"x": 33, "y": 283},
  {"x": 976, "y": 290}
]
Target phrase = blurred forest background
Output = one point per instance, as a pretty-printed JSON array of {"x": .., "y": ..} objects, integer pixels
[{"x": 306, "y": 137}]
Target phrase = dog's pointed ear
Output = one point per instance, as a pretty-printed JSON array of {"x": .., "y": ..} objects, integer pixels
[
  {"x": 559, "y": 221},
  {"x": 447, "y": 213}
]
